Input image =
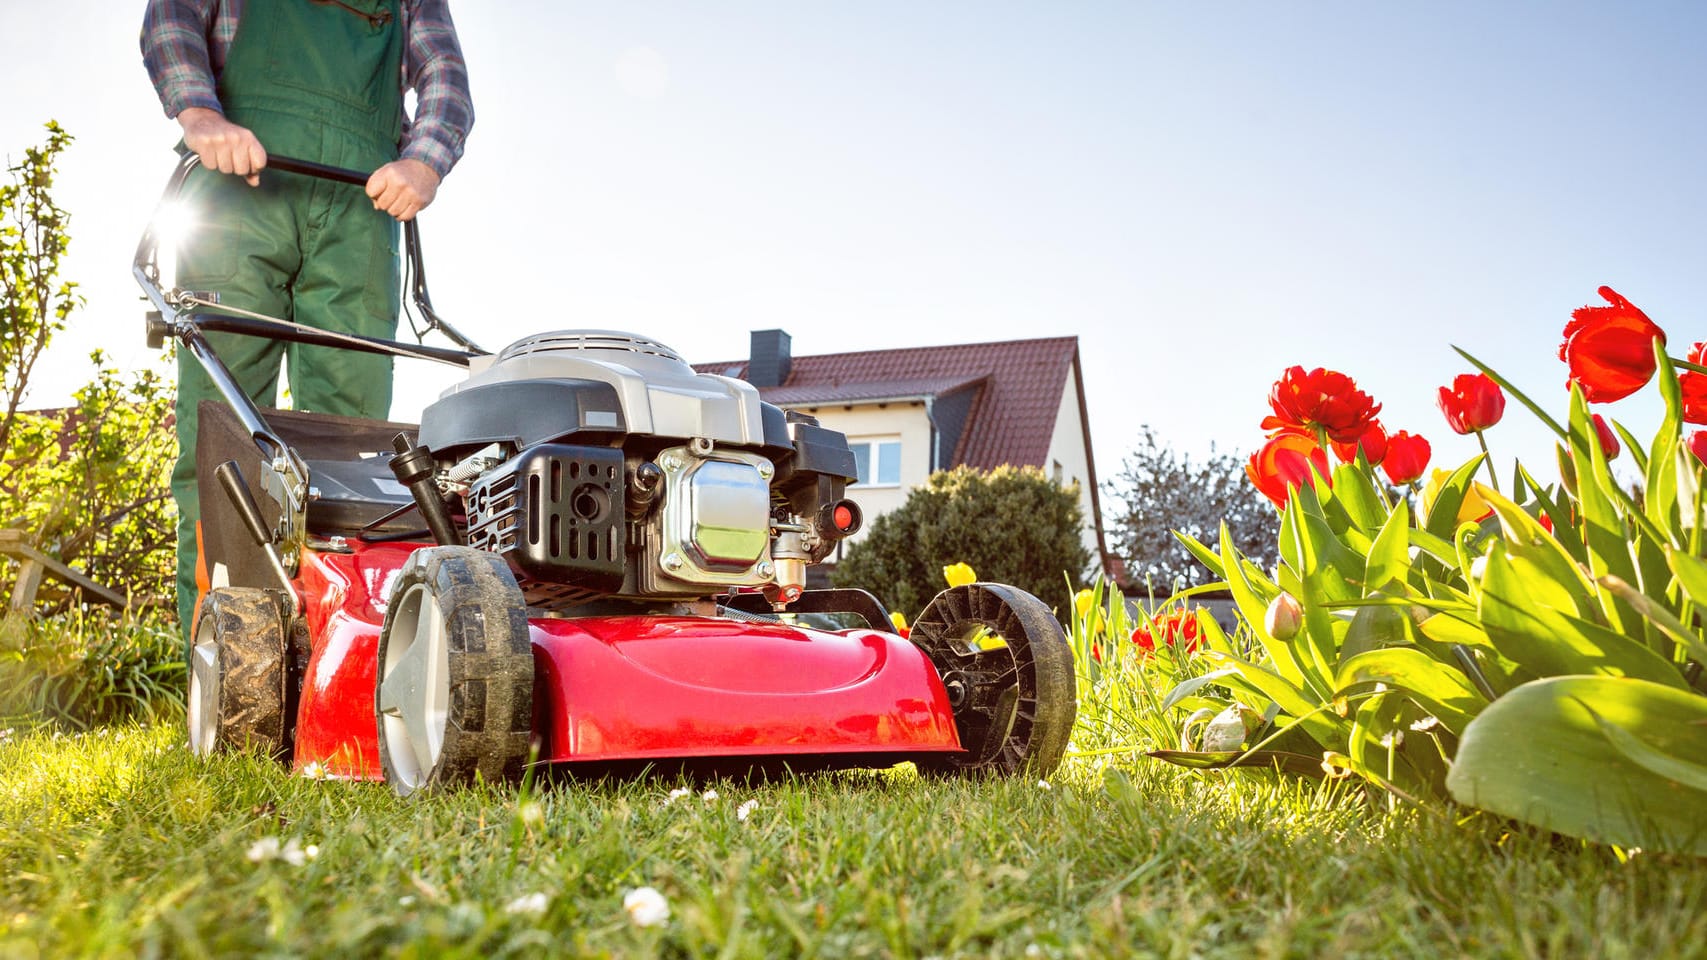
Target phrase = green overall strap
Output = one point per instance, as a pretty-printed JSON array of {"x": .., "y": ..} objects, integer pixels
[{"x": 300, "y": 72}]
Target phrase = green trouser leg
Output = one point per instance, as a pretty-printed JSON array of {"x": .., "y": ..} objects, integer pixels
[{"x": 269, "y": 249}]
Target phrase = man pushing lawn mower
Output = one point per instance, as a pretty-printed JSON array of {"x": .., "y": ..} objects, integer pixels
[
  {"x": 587, "y": 556},
  {"x": 322, "y": 80}
]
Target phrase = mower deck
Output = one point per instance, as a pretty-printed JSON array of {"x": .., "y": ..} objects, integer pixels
[{"x": 636, "y": 688}]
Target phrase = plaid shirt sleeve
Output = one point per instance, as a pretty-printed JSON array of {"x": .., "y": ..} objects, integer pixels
[
  {"x": 434, "y": 68},
  {"x": 175, "y": 51}
]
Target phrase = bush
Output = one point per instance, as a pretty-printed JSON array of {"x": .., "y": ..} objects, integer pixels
[
  {"x": 1012, "y": 524},
  {"x": 89, "y": 484},
  {"x": 87, "y": 669}
]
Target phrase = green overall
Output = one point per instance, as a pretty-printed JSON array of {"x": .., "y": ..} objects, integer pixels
[{"x": 315, "y": 80}]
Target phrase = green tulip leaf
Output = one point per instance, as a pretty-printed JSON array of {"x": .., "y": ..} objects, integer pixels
[
  {"x": 1373, "y": 627},
  {"x": 1390, "y": 555},
  {"x": 1203, "y": 554},
  {"x": 1443, "y": 512},
  {"x": 1437, "y": 547},
  {"x": 1188, "y": 687},
  {"x": 1529, "y": 542},
  {"x": 1637, "y": 453},
  {"x": 1660, "y": 491},
  {"x": 1692, "y": 775},
  {"x": 1540, "y": 754},
  {"x": 1253, "y": 606},
  {"x": 1357, "y": 497},
  {"x": 1308, "y": 712},
  {"x": 1524, "y": 617},
  {"x": 1375, "y": 720},
  {"x": 1438, "y": 688},
  {"x": 1662, "y": 618},
  {"x": 1558, "y": 510}
]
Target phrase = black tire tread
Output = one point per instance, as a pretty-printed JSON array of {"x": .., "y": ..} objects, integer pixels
[
  {"x": 249, "y": 632},
  {"x": 1042, "y": 665},
  {"x": 489, "y": 729}
]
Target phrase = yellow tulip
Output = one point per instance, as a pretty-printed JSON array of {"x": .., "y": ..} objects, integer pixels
[
  {"x": 1472, "y": 509},
  {"x": 1082, "y": 602},
  {"x": 899, "y": 619},
  {"x": 959, "y": 574}
]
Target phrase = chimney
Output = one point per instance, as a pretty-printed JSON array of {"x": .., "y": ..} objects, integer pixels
[{"x": 769, "y": 361}]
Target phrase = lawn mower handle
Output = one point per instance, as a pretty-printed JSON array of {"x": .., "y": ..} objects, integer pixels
[{"x": 411, "y": 242}]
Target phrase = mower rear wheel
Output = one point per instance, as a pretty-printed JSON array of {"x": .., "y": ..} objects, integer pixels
[
  {"x": 1008, "y": 670},
  {"x": 454, "y": 692},
  {"x": 237, "y": 674}
]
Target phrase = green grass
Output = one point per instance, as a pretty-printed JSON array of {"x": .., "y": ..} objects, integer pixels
[{"x": 119, "y": 843}]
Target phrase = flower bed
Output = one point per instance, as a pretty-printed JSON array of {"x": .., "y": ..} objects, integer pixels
[{"x": 1535, "y": 651}]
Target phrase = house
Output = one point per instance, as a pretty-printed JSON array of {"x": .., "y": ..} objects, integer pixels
[{"x": 911, "y": 411}]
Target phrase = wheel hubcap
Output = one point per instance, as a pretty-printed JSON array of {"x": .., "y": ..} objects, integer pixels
[
  {"x": 203, "y": 706},
  {"x": 414, "y": 689}
]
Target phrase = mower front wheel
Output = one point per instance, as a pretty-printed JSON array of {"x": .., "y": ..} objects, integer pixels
[
  {"x": 454, "y": 693},
  {"x": 237, "y": 674},
  {"x": 1008, "y": 671}
]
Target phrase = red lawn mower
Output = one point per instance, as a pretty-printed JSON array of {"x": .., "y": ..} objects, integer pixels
[{"x": 586, "y": 556}]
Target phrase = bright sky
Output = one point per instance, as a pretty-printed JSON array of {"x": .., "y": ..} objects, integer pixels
[{"x": 1204, "y": 193}]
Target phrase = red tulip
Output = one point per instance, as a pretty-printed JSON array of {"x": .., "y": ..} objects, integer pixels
[
  {"x": 1320, "y": 399},
  {"x": 1698, "y": 445},
  {"x": 1284, "y": 463},
  {"x": 1178, "y": 629},
  {"x": 1694, "y": 387},
  {"x": 1608, "y": 438},
  {"x": 1373, "y": 442},
  {"x": 1473, "y": 403},
  {"x": 1610, "y": 350},
  {"x": 1407, "y": 458}
]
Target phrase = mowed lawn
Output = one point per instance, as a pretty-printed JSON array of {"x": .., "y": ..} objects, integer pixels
[{"x": 121, "y": 843}]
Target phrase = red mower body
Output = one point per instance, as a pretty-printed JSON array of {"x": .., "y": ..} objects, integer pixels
[{"x": 634, "y": 688}]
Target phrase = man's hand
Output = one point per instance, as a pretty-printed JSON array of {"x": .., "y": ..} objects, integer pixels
[
  {"x": 403, "y": 188},
  {"x": 223, "y": 145}
]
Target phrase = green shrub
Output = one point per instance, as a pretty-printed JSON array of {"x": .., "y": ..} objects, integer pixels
[
  {"x": 1012, "y": 524},
  {"x": 89, "y": 668},
  {"x": 86, "y": 484}
]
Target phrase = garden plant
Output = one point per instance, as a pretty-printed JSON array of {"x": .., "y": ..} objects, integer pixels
[{"x": 1535, "y": 652}]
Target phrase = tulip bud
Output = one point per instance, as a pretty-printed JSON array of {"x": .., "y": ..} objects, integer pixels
[
  {"x": 1284, "y": 616},
  {"x": 1229, "y": 728}
]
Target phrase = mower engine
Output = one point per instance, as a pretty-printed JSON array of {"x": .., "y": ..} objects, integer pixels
[{"x": 599, "y": 464}]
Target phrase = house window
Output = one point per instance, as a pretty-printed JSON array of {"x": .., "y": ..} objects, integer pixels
[{"x": 879, "y": 460}]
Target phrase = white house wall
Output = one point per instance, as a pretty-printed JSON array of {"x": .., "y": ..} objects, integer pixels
[
  {"x": 1067, "y": 447},
  {"x": 905, "y": 419}
]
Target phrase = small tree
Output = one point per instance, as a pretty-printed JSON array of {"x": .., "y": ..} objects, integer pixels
[
  {"x": 1012, "y": 524},
  {"x": 33, "y": 239},
  {"x": 1158, "y": 492},
  {"x": 88, "y": 484}
]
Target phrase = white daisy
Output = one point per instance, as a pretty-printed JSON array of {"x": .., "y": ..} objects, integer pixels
[{"x": 646, "y": 907}]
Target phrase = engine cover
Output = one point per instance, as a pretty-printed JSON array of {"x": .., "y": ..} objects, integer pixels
[
  {"x": 555, "y": 513},
  {"x": 714, "y": 529}
]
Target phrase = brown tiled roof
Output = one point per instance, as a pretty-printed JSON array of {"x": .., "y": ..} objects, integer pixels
[
  {"x": 1019, "y": 387},
  {"x": 912, "y": 389}
]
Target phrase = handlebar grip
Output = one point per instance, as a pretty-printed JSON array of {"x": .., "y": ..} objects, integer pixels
[{"x": 311, "y": 169}]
